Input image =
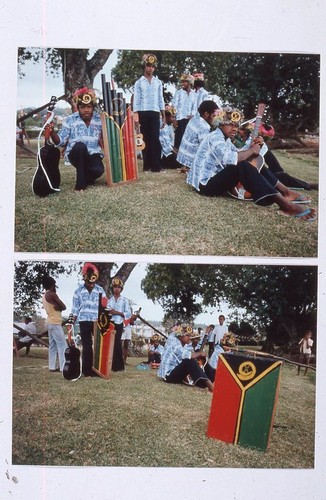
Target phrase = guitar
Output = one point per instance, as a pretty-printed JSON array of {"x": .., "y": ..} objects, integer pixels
[
  {"x": 46, "y": 179},
  {"x": 239, "y": 192},
  {"x": 201, "y": 344},
  {"x": 72, "y": 369},
  {"x": 202, "y": 361},
  {"x": 257, "y": 161},
  {"x": 139, "y": 138}
]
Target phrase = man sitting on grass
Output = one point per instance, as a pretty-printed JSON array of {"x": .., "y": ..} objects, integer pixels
[
  {"x": 197, "y": 129},
  {"x": 155, "y": 351},
  {"x": 243, "y": 141},
  {"x": 26, "y": 340},
  {"x": 179, "y": 362},
  {"x": 218, "y": 167}
]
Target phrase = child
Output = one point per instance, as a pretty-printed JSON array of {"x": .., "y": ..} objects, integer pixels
[{"x": 305, "y": 344}]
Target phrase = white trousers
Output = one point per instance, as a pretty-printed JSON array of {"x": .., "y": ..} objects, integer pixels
[{"x": 57, "y": 346}]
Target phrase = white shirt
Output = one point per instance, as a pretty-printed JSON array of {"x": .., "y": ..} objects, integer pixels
[
  {"x": 219, "y": 332},
  {"x": 306, "y": 345}
]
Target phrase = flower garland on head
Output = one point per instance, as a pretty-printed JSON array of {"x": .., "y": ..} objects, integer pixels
[
  {"x": 186, "y": 77},
  {"x": 266, "y": 131},
  {"x": 170, "y": 109},
  {"x": 84, "y": 96},
  {"x": 228, "y": 116},
  {"x": 149, "y": 59},
  {"x": 90, "y": 272},
  {"x": 117, "y": 282}
]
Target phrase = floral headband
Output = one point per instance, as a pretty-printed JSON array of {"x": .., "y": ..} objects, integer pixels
[
  {"x": 90, "y": 272},
  {"x": 117, "y": 282},
  {"x": 228, "y": 116},
  {"x": 84, "y": 96},
  {"x": 186, "y": 77},
  {"x": 149, "y": 59}
]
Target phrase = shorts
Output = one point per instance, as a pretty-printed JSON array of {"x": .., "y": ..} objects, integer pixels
[{"x": 126, "y": 334}]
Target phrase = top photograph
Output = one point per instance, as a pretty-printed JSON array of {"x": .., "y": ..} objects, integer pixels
[{"x": 167, "y": 152}]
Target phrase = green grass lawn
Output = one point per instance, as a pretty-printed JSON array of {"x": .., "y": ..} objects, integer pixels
[
  {"x": 158, "y": 214},
  {"x": 136, "y": 420}
]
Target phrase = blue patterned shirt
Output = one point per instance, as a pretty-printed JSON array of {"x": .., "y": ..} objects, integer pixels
[
  {"x": 184, "y": 103},
  {"x": 167, "y": 139},
  {"x": 121, "y": 305},
  {"x": 174, "y": 352},
  {"x": 213, "y": 154},
  {"x": 85, "y": 303},
  {"x": 75, "y": 130},
  {"x": 159, "y": 348},
  {"x": 201, "y": 95},
  {"x": 148, "y": 95},
  {"x": 195, "y": 132}
]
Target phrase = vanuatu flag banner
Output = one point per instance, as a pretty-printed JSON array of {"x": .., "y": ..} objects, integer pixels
[
  {"x": 244, "y": 400},
  {"x": 104, "y": 334}
]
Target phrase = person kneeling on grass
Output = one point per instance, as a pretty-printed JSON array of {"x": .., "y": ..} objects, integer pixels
[
  {"x": 218, "y": 167},
  {"x": 81, "y": 138},
  {"x": 179, "y": 362}
]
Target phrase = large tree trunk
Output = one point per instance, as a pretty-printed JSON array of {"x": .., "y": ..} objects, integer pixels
[
  {"x": 105, "y": 269},
  {"x": 79, "y": 71}
]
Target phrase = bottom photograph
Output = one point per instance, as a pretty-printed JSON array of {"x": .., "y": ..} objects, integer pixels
[{"x": 129, "y": 364}]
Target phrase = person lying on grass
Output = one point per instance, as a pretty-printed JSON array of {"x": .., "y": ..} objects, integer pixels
[
  {"x": 218, "y": 167},
  {"x": 178, "y": 362}
]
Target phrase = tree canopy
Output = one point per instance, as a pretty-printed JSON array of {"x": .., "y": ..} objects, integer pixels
[
  {"x": 278, "y": 300},
  {"x": 78, "y": 66},
  {"x": 287, "y": 83},
  {"x": 177, "y": 288},
  {"x": 28, "y": 278}
]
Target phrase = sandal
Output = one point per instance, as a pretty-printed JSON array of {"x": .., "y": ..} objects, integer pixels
[
  {"x": 301, "y": 200},
  {"x": 302, "y": 215}
]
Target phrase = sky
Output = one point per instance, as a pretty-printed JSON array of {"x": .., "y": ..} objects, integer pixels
[{"x": 132, "y": 290}]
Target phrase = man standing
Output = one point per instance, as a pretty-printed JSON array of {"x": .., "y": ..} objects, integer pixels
[
  {"x": 148, "y": 104},
  {"x": 184, "y": 101},
  {"x": 81, "y": 136},
  {"x": 199, "y": 88},
  {"x": 120, "y": 310},
  {"x": 220, "y": 330},
  {"x": 218, "y": 167},
  {"x": 57, "y": 341},
  {"x": 85, "y": 305}
]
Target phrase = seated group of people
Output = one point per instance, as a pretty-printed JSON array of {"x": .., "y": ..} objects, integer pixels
[
  {"x": 183, "y": 359},
  {"x": 219, "y": 155}
]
